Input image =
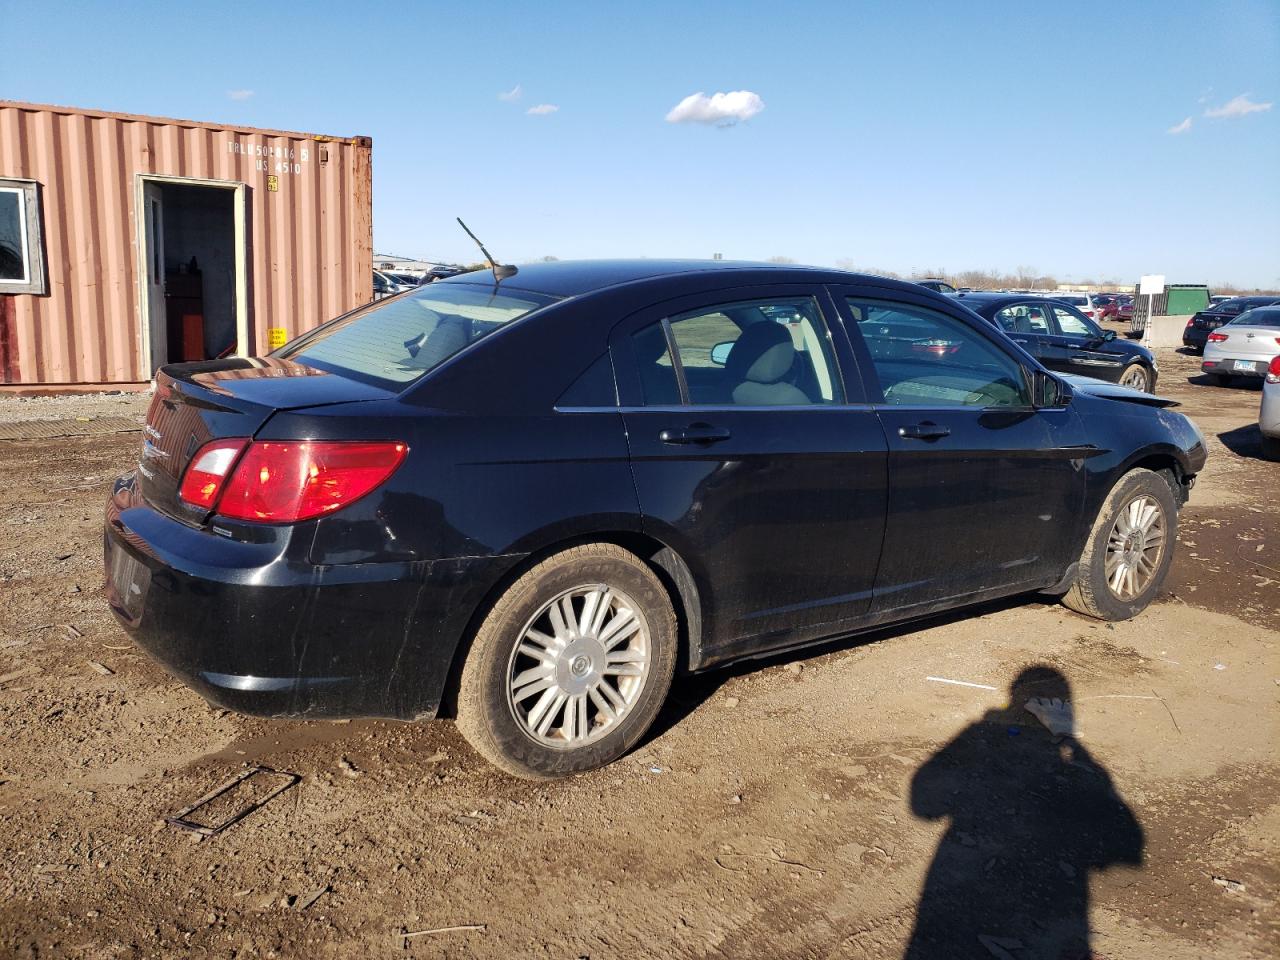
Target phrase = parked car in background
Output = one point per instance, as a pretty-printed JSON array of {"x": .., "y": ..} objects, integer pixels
[
  {"x": 938, "y": 286},
  {"x": 1111, "y": 307},
  {"x": 1083, "y": 302},
  {"x": 405, "y": 280},
  {"x": 385, "y": 285},
  {"x": 1219, "y": 298},
  {"x": 440, "y": 272},
  {"x": 532, "y": 503},
  {"x": 1243, "y": 347},
  {"x": 1196, "y": 333},
  {"x": 1064, "y": 339},
  {"x": 1269, "y": 411}
]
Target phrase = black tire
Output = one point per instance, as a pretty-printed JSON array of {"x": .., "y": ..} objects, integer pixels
[
  {"x": 1271, "y": 448},
  {"x": 486, "y": 714},
  {"x": 1090, "y": 593},
  {"x": 1131, "y": 372}
]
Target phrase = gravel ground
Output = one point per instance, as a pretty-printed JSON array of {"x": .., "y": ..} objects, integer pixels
[{"x": 789, "y": 808}]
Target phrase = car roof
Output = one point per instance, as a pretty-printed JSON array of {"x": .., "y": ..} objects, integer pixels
[
  {"x": 996, "y": 300},
  {"x": 571, "y": 278}
]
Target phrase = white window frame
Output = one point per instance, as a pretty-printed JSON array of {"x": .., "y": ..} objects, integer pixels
[{"x": 31, "y": 238}]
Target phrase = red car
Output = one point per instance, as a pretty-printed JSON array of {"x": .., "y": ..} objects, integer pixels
[{"x": 1115, "y": 308}]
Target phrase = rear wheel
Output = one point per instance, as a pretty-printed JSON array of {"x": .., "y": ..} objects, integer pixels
[
  {"x": 570, "y": 666},
  {"x": 1271, "y": 447},
  {"x": 1136, "y": 377},
  {"x": 1129, "y": 550}
]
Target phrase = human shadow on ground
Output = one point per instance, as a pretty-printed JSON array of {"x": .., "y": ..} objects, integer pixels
[{"x": 1032, "y": 816}]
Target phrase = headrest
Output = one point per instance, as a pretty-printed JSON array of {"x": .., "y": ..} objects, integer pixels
[{"x": 763, "y": 354}]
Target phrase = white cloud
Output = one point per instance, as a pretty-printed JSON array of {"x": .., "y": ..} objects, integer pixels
[
  {"x": 720, "y": 109},
  {"x": 239, "y": 94},
  {"x": 542, "y": 109},
  {"x": 512, "y": 95},
  {"x": 1237, "y": 107},
  {"x": 1182, "y": 127}
]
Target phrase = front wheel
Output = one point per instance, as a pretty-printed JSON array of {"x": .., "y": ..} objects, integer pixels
[
  {"x": 571, "y": 664},
  {"x": 1129, "y": 549},
  {"x": 1136, "y": 377}
]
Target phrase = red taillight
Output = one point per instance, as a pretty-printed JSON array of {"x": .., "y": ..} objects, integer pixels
[
  {"x": 1191, "y": 322},
  {"x": 1089, "y": 314},
  {"x": 1217, "y": 337},
  {"x": 1273, "y": 369},
  {"x": 209, "y": 469},
  {"x": 283, "y": 481}
]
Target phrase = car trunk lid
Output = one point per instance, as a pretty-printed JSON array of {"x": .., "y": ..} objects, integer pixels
[{"x": 198, "y": 402}]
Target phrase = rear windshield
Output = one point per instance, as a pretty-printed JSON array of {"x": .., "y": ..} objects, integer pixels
[
  {"x": 1258, "y": 317},
  {"x": 394, "y": 342},
  {"x": 1074, "y": 301}
]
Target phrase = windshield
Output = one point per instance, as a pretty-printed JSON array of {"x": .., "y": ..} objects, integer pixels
[
  {"x": 1257, "y": 317},
  {"x": 394, "y": 342}
]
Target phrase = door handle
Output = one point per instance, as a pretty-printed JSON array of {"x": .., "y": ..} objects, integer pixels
[
  {"x": 695, "y": 433},
  {"x": 924, "y": 431}
]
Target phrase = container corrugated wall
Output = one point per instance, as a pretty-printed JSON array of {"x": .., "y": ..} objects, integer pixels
[{"x": 309, "y": 247}]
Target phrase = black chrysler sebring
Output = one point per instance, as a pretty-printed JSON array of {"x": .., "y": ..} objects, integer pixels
[{"x": 529, "y": 503}]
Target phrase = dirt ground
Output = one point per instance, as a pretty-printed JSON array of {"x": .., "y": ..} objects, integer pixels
[{"x": 771, "y": 814}]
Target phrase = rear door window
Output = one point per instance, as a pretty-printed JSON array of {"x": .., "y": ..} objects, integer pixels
[
  {"x": 925, "y": 358},
  {"x": 1025, "y": 318},
  {"x": 772, "y": 352}
]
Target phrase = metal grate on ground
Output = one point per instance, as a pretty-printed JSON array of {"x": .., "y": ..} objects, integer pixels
[{"x": 67, "y": 427}]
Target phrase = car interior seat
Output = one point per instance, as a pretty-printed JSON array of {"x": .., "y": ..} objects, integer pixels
[{"x": 760, "y": 364}]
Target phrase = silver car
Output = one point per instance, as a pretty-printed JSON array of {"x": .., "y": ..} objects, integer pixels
[
  {"x": 1244, "y": 347},
  {"x": 1269, "y": 412}
]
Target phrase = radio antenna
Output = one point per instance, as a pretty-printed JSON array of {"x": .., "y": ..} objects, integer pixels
[{"x": 501, "y": 271}]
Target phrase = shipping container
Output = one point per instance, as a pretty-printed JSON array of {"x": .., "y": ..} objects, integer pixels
[{"x": 127, "y": 242}]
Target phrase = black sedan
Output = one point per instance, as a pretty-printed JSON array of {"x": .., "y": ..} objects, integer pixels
[
  {"x": 1196, "y": 333},
  {"x": 1064, "y": 339},
  {"x": 530, "y": 503}
]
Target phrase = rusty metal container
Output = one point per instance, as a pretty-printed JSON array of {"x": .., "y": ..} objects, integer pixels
[{"x": 301, "y": 243}]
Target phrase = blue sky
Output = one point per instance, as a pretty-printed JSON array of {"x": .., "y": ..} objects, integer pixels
[{"x": 901, "y": 136}]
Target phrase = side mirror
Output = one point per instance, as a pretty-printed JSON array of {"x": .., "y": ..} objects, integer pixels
[
  {"x": 720, "y": 353},
  {"x": 1108, "y": 335},
  {"x": 1049, "y": 391}
]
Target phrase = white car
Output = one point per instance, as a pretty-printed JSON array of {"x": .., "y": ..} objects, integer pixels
[
  {"x": 1269, "y": 412},
  {"x": 1081, "y": 301},
  {"x": 1243, "y": 347}
]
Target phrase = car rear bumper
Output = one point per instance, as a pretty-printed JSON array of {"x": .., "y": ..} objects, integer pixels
[
  {"x": 1242, "y": 367},
  {"x": 1194, "y": 337},
  {"x": 258, "y": 634}
]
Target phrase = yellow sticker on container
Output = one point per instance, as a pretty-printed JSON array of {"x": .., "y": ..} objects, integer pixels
[
  {"x": 276, "y": 337},
  {"x": 273, "y": 183}
]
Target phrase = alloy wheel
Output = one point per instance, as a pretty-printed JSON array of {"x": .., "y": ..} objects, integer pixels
[
  {"x": 1135, "y": 547},
  {"x": 580, "y": 665},
  {"x": 1135, "y": 379}
]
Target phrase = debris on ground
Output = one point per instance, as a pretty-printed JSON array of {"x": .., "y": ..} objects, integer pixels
[
  {"x": 348, "y": 768},
  {"x": 962, "y": 683},
  {"x": 310, "y": 898},
  {"x": 1235, "y": 886},
  {"x": 405, "y": 935},
  {"x": 101, "y": 668},
  {"x": 999, "y": 947},
  {"x": 227, "y": 794},
  {"x": 1055, "y": 714}
]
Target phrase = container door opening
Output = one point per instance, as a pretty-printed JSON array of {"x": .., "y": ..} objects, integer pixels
[{"x": 190, "y": 267}]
